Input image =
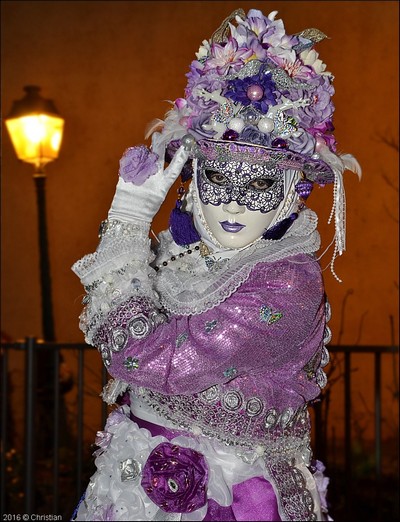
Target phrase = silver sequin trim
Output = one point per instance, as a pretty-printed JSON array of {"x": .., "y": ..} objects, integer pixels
[
  {"x": 232, "y": 401},
  {"x": 233, "y": 419},
  {"x": 295, "y": 499},
  {"x": 134, "y": 319}
]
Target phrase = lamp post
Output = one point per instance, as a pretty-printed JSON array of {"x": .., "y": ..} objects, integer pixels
[{"x": 36, "y": 129}]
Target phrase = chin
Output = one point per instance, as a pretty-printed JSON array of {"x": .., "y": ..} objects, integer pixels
[{"x": 234, "y": 241}]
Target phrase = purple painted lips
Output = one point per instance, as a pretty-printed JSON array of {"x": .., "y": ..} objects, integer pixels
[{"x": 231, "y": 227}]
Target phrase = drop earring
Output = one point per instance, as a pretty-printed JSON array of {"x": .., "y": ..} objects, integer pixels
[{"x": 304, "y": 188}]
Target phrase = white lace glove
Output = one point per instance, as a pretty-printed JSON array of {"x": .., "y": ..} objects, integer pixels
[{"x": 140, "y": 202}]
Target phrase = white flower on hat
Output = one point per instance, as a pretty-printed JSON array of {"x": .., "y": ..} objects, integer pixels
[
  {"x": 204, "y": 50},
  {"x": 310, "y": 58}
]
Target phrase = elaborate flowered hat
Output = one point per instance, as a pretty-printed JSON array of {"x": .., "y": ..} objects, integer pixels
[
  {"x": 257, "y": 94},
  {"x": 254, "y": 84}
]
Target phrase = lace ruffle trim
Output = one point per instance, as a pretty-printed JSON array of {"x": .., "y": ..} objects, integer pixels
[
  {"x": 119, "y": 246},
  {"x": 193, "y": 290}
]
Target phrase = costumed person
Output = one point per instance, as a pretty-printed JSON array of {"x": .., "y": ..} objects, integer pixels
[{"x": 216, "y": 341}]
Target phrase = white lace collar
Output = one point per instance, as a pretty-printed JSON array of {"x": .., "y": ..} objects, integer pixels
[{"x": 193, "y": 284}]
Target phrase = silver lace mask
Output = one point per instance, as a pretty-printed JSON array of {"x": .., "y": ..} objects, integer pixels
[{"x": 254, "y": 186}]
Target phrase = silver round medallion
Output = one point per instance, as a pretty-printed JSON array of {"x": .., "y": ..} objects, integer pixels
[
  {"x": 232, "y": 400},
  {"x": 254, "y": 406},
  {"x": 210, "y": 394},
  {"x": 119, "y": 339},
  {"x": 139, "y": 327},
  {"x": 271, "y": 418}
]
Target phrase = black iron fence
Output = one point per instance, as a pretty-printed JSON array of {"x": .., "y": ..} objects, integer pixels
[{"x": 48, "y": 469}]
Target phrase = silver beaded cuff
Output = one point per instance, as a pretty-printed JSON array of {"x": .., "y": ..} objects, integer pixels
[{"x": 114, "y": 227}]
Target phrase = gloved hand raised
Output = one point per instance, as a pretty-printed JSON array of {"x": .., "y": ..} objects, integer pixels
[{"x": 144, "y": 183}]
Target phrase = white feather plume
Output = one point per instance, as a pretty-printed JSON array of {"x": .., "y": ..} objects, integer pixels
[
  {"x": 340, "y": 162},
  {"x": 350, "y": 163},
  {"x": 153, "y": 126},
  {"x": 170, "y": 128}
]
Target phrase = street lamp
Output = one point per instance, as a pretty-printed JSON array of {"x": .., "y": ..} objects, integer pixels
[{"x": 36, "y": 129}]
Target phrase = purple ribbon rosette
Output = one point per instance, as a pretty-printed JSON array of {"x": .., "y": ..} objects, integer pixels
[
  {"x": 175, "y": 478},
  {"x": 138, "y": 164}
]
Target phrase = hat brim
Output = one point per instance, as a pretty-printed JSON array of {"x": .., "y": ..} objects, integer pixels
[{"x": 315, "y": 170}]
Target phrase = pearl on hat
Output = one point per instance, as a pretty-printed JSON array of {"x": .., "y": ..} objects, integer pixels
[
  {"x": 266, "y": 125},
  {"x": 255, "y": 92},
  {"x": 251, "y": 117},
  {"x": 188, "y": 141},
  {"x": 319, "y": 143},
  {"x": 236, "y": 124}
]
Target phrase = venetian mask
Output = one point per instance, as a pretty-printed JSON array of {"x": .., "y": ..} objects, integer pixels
[{"x": 238, "y": 200}]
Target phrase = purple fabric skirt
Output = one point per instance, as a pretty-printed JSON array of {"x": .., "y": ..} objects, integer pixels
[{"x": 253, "y": 499}]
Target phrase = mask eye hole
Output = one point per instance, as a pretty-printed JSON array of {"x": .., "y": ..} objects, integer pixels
[
  {"x": 261, "y": 184},
  {"x": 216, "y": 177}
]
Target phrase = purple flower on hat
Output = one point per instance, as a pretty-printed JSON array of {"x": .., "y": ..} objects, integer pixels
[
  {"x": 330, "y": 140},
  {"x": 227, "y": 56},
  {"x": 302, "y": 142},
  {"x": 137, "y": 164},
  {"x": 259, "y": 50},
  {"x": 256, "y": 23},
  {"x": 275, "y": 37},
  {"x": 269, "y": 32},
  {"x": 240, "y": 91},
  {"x": 175, "y": 478},
  {"x": 209, "y": 83},
  {"x": 251, "y": 134},
  {"x": 196, "y": 126},
  {"x": 320, "y": 108},
  {"x": 294, "y": 67},
  {"x": 324, "y": 130}
]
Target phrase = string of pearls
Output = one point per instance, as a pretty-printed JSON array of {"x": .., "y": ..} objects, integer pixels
[{"x": 177, "y": 256}]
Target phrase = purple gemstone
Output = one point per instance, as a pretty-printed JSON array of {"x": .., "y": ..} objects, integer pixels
[
  {"x": 230, "y": 135},
  {"x": 304, "y": 188},
  {"x": 279, "y": 143}
]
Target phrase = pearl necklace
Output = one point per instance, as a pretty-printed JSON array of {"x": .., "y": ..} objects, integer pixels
[{"x": 182, "y": 254}]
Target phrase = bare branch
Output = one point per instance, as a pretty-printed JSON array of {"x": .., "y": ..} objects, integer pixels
[
  {"x": 390, "y": 141},
  {"x": 349, "y": 292},
  {"x": 360, "y": 328},
  {"x": 389, "y": 213},
  {"x": 390, "y": 182}
]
